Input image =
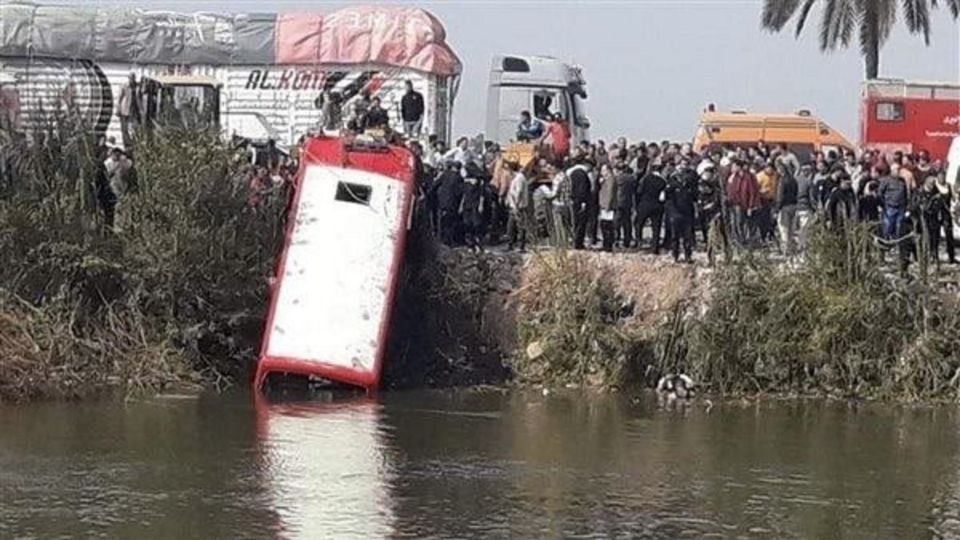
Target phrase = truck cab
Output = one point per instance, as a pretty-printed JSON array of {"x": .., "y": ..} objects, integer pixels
[
  {"x": 539, "y": 84},
  {"x": 186, "y": 101}
]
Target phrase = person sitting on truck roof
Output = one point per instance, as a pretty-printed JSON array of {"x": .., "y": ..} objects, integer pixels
[
  {"x": 529, "y": 129},
  {"x": 376, "y": 117},
  {"x": 358, "y": 107}
]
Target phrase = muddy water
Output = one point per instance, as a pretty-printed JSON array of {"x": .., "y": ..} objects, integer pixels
[{"x": 473, "y": 464}]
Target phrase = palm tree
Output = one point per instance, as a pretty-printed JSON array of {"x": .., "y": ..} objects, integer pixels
[{"x": 871, "y": 19}]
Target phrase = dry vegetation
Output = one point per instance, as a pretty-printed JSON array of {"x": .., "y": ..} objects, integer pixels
[
  {"x": 595, "y": 319},
  {"x": 839, "y": 323},
  {"x": 174, "y": 295}
]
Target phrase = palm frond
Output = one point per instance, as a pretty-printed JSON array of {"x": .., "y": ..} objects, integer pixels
[
  {"x": 953, "y": 5},
  {"x": 916, "y": 14},
  {"x": 802, "y": 18},
  {"x": 838, "y": 29},
  {"x": 886, "y": 17},
  {"x": 826, "y": 22},
  {"x": 776, "y": 13}
]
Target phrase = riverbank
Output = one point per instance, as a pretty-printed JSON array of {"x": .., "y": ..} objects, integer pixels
[
  {"x": 174, "y": 294},
  {"x": 837, "y": 322},
  {"x": 171, "y": 295}
]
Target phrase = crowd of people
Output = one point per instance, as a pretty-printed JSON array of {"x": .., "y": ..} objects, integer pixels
[{"x": 661, "y": 196}]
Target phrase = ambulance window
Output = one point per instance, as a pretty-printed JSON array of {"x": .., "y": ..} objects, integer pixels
[
  {"x": 353, "y": 193},
  {"x": 890, "y": 111}
]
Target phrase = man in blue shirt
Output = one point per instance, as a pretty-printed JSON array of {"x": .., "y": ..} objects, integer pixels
[{"x": 529, "y": 128}]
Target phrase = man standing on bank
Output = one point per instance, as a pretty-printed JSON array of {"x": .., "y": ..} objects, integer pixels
[
  {"x": 128, "y": 109},
  {"x": 411, "y": 111}
]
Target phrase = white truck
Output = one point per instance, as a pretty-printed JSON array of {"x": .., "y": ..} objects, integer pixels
[
  {"x": 539, "y": 84},
  {"x": 261, "y": 73},
  {"x": 256, "y": 102}
]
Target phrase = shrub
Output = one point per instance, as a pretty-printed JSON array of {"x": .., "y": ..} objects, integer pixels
[{"x": 176, "y": 292}]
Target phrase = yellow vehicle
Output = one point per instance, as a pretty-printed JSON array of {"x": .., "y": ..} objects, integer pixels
[{"x": 802, "y": 132}]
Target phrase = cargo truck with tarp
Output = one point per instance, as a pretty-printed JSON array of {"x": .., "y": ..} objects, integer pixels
[{"x": 269, "y": 68}]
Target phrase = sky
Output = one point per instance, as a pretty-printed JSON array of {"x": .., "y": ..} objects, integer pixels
[{"x": 652, "y": 65}]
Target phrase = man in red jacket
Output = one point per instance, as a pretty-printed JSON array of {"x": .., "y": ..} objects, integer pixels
[{"x": 743, "y": 194}]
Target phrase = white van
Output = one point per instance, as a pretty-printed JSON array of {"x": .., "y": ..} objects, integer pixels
[{"x": 539, "y": 84}]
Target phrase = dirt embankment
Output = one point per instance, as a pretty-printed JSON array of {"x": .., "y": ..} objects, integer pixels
[{"x": 547, "y": 318}]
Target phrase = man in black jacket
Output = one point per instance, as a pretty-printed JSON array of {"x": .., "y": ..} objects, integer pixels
[
  {"x": 448, "y": 190},
  {"x": 377, "y": 117},
  {"x": 650, "y": 199},
  {"x": 411, "y": 111},
  {"x": 681, "y": 199},
  {"x": 581, "y": 194},
  {"x": 625, "y": 187}
]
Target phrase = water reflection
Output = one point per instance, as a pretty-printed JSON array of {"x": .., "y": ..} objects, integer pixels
[{"x": 324, "y": 467}]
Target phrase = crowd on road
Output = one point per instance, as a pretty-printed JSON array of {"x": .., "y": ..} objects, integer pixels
[{"x": 658, "y": 196}]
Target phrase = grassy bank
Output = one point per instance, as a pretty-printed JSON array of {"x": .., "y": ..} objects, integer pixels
[
  {"x": 838, "y": 322},
  {"x": 173, "y": 295},
  {"x": 597, "y": 319}
]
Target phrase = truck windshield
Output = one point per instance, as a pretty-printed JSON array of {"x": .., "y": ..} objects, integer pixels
[{"x": 190, "y": 106}]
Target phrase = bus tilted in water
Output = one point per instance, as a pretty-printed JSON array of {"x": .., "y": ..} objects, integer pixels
[{"x": 336, "y": 282}]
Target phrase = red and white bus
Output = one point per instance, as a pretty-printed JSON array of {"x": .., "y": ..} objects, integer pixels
[
  {"x": 909, "y": 116},
  {"x": 336, "y": 282}
]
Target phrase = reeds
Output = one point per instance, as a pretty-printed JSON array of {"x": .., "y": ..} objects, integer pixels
[
  {"x": 175, "y": 293},
  {"x": 839, "y": 322}
]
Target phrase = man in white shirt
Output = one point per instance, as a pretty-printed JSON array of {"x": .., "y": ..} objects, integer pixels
[{"x": 518, "y": 201}]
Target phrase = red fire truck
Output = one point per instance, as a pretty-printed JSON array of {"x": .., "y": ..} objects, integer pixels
[{"x": 909, "y": 116}]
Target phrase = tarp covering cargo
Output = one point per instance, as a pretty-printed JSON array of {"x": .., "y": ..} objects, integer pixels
[{"x": 383, "y": 35}]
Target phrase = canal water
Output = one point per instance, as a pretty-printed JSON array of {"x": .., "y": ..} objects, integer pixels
[{"x": 477, "y": 464}]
